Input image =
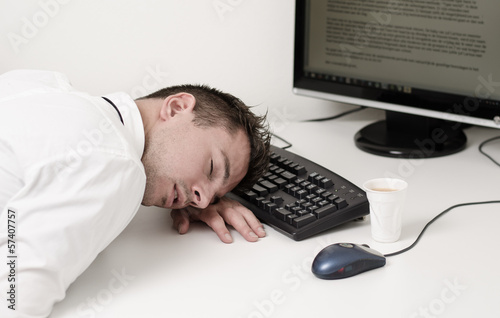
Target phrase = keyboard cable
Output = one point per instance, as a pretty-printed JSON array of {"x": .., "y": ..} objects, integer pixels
[
  {"x": 336, "y": 116},
  {"x": 289, "y": 144}
]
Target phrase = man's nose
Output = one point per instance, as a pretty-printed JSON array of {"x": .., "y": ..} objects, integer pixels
[{"x": 202, "y": 196}]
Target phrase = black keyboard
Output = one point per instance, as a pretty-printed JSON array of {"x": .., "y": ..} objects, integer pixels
[{"x": 300, "y": 198}]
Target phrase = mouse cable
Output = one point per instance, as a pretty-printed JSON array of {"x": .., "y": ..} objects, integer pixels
[
  {"x": 484, "y": 153},
  {"x": 336, "y": 116},
  {"x": 434, "y": 219}
]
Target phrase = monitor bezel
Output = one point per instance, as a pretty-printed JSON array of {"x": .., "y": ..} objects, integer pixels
[{"x": 452, "y": 107}]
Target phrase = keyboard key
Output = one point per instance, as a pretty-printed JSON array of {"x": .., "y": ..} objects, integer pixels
[
  {"x": 269, "y": 186},
  {"x": 298, "y": 181},
  {"x": 279, "y": 171},
  {"x": 302, "y": 212},
  {"x": 340, "y": 203},
  {"x": 318, "y": 179},
  {"x": 281, "y": 214},
  {"x": 288, "y": 188},
  {"x": 263, "y": 204},
  {"x": 301, "y": 194},
  {"x": 288, "y": 176},
  {"x": 307, "y": 205},
  {"x": 287, "y": 164},
  {"x": 249, "y": 195},
  {"x": 319, "y": 191},
  {"x": 322, "y": 203},
  {"x": 270, "y": 207},
  {"x": 294, "y": 190},
  {"x": 312, "y": 208},
  {"x": 295, "y": 209},
  {"x": 316, "y": 200},
  {"x": 301, "y": 202},
  {"x": 310, "y": 197},
  {"x": 326, "y": 183},
  {"x": 289, "y": 206},
  {"x": 327, "y": 195},
  {"x": 281, "y": 162},
  {"x": 298, "y": 170},
  {"x": 259, "y": 190},
  {"x": 277, "y": 199},
  {"x": 303, "y": 220},
  {"x": 312, "y": 176},
  {"x": 325, "y": 210},
  {"x": 271, "y": 177},
  {"x": 305, "y": 184},
  {"x": 258, "y": 201},
  {"x": 311, "y": 188},
  {"x": 332, "y": 198},
  {"x": 280, "y": 182},
  {"x": 274, "y": 157},
  {"x": 290, "y": 217}
]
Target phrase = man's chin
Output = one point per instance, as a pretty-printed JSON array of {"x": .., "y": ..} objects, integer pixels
[{"x": 148, "y": 202}]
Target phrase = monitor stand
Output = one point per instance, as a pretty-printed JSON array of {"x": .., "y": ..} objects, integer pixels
[{"x": 410, "y": 136}]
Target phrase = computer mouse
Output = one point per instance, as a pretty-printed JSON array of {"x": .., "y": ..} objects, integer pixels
[{"x": 344, "y": 260}]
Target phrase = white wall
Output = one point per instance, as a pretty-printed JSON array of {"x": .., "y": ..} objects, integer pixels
[{"x": 244, "y": 47}]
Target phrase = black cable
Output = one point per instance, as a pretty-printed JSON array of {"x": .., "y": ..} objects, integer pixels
[
  {"x": 484, "y": 153},
  {"x": 434, "y": 219},
  {"x": 336, "y": 116},
  {"x": 284, "y": 140},
  {"x": 289, "y": 144}
]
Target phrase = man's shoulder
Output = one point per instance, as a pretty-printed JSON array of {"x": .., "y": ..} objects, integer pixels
[{"x": 20, "y": 81}]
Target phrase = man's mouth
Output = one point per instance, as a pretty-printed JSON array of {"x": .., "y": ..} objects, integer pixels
[
  {"x": 172, "y": 199},
  {"x": 179, "y": 199},
  {"x": 177, "y": 195}
]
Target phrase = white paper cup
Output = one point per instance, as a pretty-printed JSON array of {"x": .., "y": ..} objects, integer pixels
[{"x": 386, "y": 197}]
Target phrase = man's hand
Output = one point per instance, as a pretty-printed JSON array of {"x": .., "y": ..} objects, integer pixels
[{"x": 217, "y": 215}]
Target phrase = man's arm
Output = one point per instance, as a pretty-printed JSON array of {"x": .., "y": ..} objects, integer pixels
[
  {"x": 65, "y": 216},
  {"x": 217, "y": 216}
]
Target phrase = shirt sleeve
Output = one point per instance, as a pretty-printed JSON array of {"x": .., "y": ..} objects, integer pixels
[{"x": 65, "y": 215}]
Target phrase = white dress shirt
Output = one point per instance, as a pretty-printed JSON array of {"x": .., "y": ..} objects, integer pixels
[{"x": 71, "y": 179}]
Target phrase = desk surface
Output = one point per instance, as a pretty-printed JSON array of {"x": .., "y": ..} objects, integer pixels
[{"x": 151, "y": 271}]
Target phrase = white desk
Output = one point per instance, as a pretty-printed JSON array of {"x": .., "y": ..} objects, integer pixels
[{"x": 151, "y": 271}]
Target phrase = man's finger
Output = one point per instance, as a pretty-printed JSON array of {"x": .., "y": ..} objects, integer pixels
[
  {"x": 243, "y": 220},
  {"x": 180, "y": 220},
  {"x": 212, "y": 218},
  {"x": 254, "y": 224},
  {"x": 245, "y": 223}
]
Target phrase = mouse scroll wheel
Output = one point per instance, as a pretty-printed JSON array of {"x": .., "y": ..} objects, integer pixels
[
  {"x": 348, "y": 245},
  {"x": 365, "y": 245}
]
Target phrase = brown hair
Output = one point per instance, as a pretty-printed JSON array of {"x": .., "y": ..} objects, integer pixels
[{"x": 215, "y": 108}]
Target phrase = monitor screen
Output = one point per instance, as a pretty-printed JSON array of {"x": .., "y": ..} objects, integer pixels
[{"x": 429, "y": 64}]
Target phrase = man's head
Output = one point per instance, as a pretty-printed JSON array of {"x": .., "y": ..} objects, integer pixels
[{"x": 197, "y": 131}]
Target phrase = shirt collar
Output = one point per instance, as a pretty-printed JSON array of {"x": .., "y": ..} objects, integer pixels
[{"x": 132, "y": 119}]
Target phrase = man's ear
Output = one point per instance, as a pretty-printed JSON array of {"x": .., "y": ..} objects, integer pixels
[{"x": 177, "y": 104}]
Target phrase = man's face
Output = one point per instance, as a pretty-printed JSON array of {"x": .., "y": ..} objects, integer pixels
[{"x": 189, "y": 165}]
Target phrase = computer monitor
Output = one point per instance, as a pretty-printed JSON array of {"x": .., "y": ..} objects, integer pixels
[{"x": 433, "y": 66}]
